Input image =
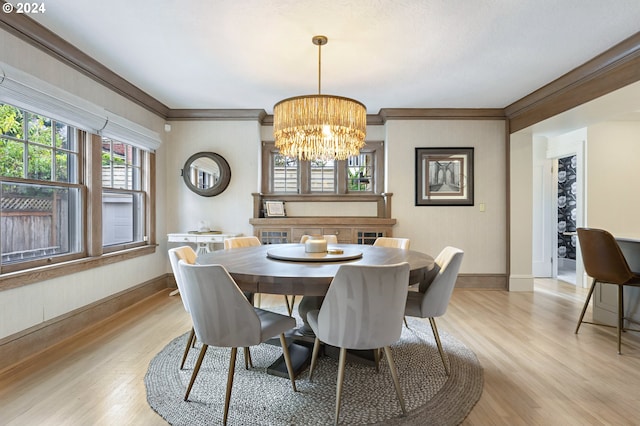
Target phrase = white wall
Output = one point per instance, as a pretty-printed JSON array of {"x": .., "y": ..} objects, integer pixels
[{"x": 24, "y": 307}]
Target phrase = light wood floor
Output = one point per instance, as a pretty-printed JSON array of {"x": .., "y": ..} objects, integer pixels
[{"x": 537, "y": 371}]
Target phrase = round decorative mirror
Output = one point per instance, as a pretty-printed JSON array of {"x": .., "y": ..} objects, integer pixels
[{"x": 206, "y": 173}]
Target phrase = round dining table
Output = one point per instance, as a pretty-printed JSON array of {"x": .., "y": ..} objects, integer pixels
[{"x": 287, "y": 269}]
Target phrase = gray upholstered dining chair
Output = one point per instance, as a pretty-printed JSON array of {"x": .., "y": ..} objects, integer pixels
[
  {"x": 605, "y": 263},
  {"x": 363, "y": 310},
  {"x": 238, "y": 242},
  {"x": 248, "y": 241},
  {"x": 187, "y": 254},
  {"x": 222, "y": 316},
  {"x": 433, "y": 301},
  {"x": 402, "y": 243}
]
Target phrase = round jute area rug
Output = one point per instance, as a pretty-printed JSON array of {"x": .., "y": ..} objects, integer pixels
[{"x": 368, "y": 397}]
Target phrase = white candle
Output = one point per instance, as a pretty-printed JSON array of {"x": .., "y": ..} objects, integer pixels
[{"x": 315, "y": 245}]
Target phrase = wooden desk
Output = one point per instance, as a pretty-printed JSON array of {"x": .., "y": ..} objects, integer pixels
[{"x": 256, "y": 273}]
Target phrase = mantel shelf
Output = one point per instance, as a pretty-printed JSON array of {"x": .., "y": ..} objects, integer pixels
[
  {"x": 347, "y": 229},
  {"x": 323, "y": 220},
  {"x": 382, "y": 201}
]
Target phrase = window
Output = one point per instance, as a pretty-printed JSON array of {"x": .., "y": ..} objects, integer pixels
[
  {"x": 363, "y": 173},
  {"x": 40, "y": 198},
  {"x": 323, "y": 176},
  {"x": 284, "y": 172},
  {"x": 360, "y": 172},
  {"x": 48, "y": 184},
  {"x": 123, "y": 209}
]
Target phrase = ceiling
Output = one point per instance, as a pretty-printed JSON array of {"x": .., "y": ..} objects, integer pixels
[{"x": 249, "y": 54}]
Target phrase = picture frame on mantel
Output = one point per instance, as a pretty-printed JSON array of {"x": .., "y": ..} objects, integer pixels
[
  {"x": 444, "y": 177},
  {"x": 274, "y": 209}
]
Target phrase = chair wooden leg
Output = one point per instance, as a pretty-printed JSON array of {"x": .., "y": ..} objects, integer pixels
[
  {"x": 394, "y": 375},
  {"x": 289, "y": 304},
  {"x": 287, "y": 361},
  {"x": 341, "y": 367},
  {"x": 586, "y": 305},
  {"x": 248, "y": 362},
  {"x": 620, "y": 326},
  {"x": 227, "y": 396},
  {"x": 436, "y": 335},
  {"x": 405, "y": 322},
  {"x": 314, "y": 357},
  {"x": 192, "y": 335},
  {"x": 195, "y": 370},
  {"x": 376, "y": 359}
]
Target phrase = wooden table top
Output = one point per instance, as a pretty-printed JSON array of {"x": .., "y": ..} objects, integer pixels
[{"x": 255, "y": 272}]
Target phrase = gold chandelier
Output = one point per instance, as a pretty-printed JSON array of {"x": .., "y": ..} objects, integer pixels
[{"x": 319, "y": 126}]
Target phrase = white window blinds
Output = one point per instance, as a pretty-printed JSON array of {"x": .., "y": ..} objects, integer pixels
[{"x": 26, "y": 91}]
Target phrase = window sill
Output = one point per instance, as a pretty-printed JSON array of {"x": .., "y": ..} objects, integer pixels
[{"x": 33, "y": 275}]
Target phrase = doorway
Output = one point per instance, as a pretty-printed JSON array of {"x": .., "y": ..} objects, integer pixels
[
  {"x": 559, "y": 206},
  {"x": 566, "y": 186}
]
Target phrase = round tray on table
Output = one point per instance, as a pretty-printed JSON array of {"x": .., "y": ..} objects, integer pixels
[{"x": 296, "y": 253}]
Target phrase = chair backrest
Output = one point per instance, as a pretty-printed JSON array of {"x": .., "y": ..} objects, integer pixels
[
  {"x": 436, "y": 297},
  {"x": 602, "y": 257},
  {"x": 402, "y": 243},
  {"x": 221, "y": 314},
  {"x": 331, "y": 239},
  {"x": 177, "y": 254},
  {"x": 237, "y": 242},
  {"x": 364, "y": 306}
]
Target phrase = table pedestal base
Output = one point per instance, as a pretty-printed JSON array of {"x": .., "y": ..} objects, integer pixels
[
  {"x": 300, "y": 359},
  {"x": 300, "y": 349}
]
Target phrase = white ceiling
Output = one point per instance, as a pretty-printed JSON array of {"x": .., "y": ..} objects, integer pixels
[{"x": 384, "y": 53}]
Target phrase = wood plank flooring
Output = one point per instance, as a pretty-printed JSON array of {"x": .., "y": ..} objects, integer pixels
[{"x": 537, "y": 371}]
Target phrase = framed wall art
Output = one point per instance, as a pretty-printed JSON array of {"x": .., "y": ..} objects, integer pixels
[
  {"x": 274, "y": 208},
  {"x": 444, "y": 176}
]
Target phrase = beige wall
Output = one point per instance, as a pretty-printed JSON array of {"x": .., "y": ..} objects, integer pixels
[
  {"x": 482, "y": 235},
  {"x": 23, "y": 307},
  {"x": 239, "y": 143},
  {"x": 521, "y": 212},
  {"x": 613, "y": 150},
  {"x": 613, "y": 175}
]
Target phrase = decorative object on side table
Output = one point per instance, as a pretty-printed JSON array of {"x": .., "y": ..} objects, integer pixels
[{"x": 444, "y": 176}]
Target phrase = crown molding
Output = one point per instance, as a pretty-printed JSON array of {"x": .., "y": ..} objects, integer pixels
[
  {"x": 372, "y": 120},
  {"x": 441, "y": 114},
  {"x": 216, "y": 114},
  {"x": 613, "y": 69},
  {"x": 28, "y": 30}
]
